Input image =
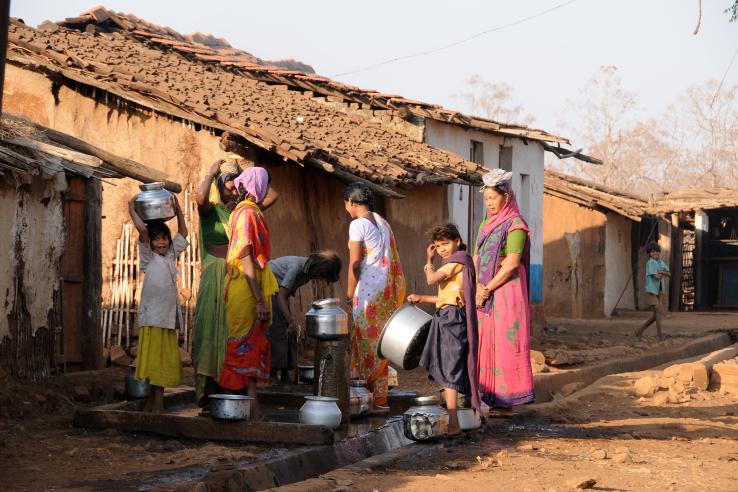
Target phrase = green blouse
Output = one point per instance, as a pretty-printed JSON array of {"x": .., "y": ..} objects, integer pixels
[{"x": 515, "y": 242}]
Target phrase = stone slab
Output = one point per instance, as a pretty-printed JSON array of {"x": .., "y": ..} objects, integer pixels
[{"x": 205, "y": 428}]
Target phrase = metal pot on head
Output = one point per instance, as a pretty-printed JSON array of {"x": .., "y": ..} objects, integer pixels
[
  {"x": 154, "y": 202},
  {"x": 403, "y": 336},
  {"x": 326, "y": 320},
  {"x": 230, "y": 407}
]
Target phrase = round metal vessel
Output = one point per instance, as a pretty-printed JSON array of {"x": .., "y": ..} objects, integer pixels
[
  {"x": 230, "y": 407},
  {"x": 468, "y": 419},
  {"x": 154, "y": 202},
  {"x": 306, "y": 373},
  {"x": 320, "y": 410},
  {"x": 326, "y": 320},
  {"x": 425, "y": 420},
  {"x": 403, "y": 336},
  {"x": 366, "y": 397},
  {"x": 136, "y": 388}
]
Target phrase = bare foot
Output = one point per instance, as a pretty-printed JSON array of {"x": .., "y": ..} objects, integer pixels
[{"x": 454, "y": 429}]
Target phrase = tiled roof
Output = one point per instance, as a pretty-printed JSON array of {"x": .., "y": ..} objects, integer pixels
[
  {"x": 593, "y": 195},
  {"x": 293, "y": 78},
  {"x": 294, "y": 124}
]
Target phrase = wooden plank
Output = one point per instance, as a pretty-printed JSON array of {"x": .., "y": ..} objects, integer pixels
[
  {"x": 204, "y": 427},
  {"x": 92, "y": 342}
]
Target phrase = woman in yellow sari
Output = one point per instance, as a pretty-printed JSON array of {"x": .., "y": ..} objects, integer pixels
[{"x": 249, "y": 287}]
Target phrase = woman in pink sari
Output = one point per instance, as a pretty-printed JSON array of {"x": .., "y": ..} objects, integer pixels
[{"x": 502, "y": 259}]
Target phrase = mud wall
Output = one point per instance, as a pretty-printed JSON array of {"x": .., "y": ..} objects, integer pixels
[
  {"x": 573, "y": 259},
  {"x": 619, "y": 292},
  {"x": 309, "y": 215},
  {"x": 30, "y": 272}
]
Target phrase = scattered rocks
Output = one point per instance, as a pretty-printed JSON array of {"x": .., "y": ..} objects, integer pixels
[
  {"x": 646, "y": 386},
  {"x": 527, "y": 447},
  {"x": 570, "y": 388},
  {"x": 563, "y": 358},
  {"x": 695, "y": 373},
  {"x": 622, "y": 458},
  {"x": 661, "y": 398},
  {"x": 81, "y": 394},
  {"x": 119, "y": 357},
  {"x": 599, "y": 454},
  {"x": 579, "y": 484}
]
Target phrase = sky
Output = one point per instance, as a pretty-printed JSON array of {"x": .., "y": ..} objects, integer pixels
[{"x": 546, "y": 59}]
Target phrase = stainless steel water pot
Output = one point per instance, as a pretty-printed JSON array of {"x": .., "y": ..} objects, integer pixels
[
  {"x": 326, "y": 320},
  {"x": 154, "y": 202}
]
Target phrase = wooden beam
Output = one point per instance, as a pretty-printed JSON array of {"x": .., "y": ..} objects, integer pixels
[
  {"x": 116, "y": 163},
  {"x": 347, "y": 176},
  {"x": 66, "y": 154}
]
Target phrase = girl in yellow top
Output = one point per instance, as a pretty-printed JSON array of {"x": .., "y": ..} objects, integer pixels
[{"x": 450, "y": 353}]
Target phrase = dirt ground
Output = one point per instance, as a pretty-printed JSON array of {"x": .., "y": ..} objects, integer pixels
[
  {"x": 605, "y": 438},
  {"x": 687, "y": 446}
]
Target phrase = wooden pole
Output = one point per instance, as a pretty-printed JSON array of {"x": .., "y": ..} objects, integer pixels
[{"x": 4, "y": 17}]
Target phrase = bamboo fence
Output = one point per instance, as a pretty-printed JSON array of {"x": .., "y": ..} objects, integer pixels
[{"x": 123, "y": 295}]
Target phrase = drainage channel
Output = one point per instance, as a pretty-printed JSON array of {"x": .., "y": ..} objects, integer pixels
[{"x": 292, "y": 466}]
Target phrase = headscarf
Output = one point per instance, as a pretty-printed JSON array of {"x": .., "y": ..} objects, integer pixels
[
  {"x": 472, "y": 330},
  {"x": 254, "y": 180},
  {"x": 496, "y": 228}
]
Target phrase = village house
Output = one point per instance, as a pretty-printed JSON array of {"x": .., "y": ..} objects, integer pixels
[
  {"x": 595, "y": 240},
  {"x": 179, "y": 103},
  {"x": 50, "y": 195},
  {"x": 702, "y": 237},
  {"x": 590, "y": 234}
]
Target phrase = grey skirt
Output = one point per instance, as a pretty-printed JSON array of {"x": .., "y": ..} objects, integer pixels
[{"x": 446, "y": 349}]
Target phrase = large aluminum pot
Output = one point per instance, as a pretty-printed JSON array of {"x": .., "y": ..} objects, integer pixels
[
  {"x": 154, "y": 202},
  {"x": 326, "y": 320},
  {"x": 320, "y": 410},
  {"x": 403, "y": 337},
  {"x": 136, "y": 388},
  {"x": 230, "y": 407},
  {"x": 425, "y": 420}
]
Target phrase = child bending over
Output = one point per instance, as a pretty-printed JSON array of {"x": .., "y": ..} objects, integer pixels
[
  {"x": 450, "y": 353},
  {"x": 159, "y": 313}
]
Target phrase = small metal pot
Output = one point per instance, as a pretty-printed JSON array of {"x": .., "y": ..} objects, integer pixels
[
  {"x": 320, "y": 410},
  {"x": 425, "y": 420},
  {"x": 136, "y": 388},
  {"x": 326, "y": 320},
  {"x": 403, "y": 336},
  {"x": 154, "y": 202},
  {"x": 230, "y": 407},
  {"x": 306, "y": 373},
  {"x": 366, "y": 397},
  {"x": 468, "y": 419},
  {"x": 354, "y": 403}
]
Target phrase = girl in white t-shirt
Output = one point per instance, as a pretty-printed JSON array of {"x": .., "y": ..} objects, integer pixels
[{"x": 159, "y": 313}]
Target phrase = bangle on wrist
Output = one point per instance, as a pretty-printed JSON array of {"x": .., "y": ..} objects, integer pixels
[{"x": 429, "y": 266}]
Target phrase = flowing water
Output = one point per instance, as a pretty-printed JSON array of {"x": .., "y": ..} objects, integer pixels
[{"x": 321, "y": 373}]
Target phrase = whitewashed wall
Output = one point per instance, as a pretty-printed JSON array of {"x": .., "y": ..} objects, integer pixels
[{"x": 527, "y": 160}]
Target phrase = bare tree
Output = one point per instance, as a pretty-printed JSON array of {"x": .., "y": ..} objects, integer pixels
[{"x": 493, "y": 101}]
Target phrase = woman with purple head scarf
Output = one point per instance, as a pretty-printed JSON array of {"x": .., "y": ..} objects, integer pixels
[
  {"x": 249, "y": 286},
  {"x": 502, "y": 259}
]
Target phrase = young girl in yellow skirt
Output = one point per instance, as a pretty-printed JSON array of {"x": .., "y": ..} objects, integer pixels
[{"x": 159, "y": 313}]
